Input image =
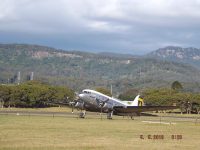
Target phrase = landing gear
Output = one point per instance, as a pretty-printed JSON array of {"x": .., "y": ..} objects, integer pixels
[
  {"x": 109, "y": 115},
  {"x": 82, "y": 114},
  {"x": 132, "y": 118}
]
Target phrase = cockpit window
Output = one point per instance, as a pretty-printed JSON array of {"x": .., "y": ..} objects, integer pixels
[{"x": 86, "y": 92}]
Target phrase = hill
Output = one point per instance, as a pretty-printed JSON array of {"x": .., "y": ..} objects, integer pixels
[
  {"x": 80, "y": 70},
  {"x": 188, "y": 55}
]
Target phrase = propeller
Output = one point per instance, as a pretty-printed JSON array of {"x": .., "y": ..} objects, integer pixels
[
  {"x": 74, "y": 102},
  {"x": 101, "y": 105}
]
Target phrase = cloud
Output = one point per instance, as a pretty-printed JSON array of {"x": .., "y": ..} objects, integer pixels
[{"x": 130, "y": 26}]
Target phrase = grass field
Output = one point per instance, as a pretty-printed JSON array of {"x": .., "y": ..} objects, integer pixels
[
  {"x": 49, "y": 109},
  {"x": 49, "y": 133}
]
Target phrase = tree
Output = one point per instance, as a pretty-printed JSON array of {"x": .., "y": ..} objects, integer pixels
[
  {"x": 4, "y": 95},
  {"x": 130, "y": 94},
  {"x": 176, "y": 86},
  {"x": 33, "y": 94},
  {"x": 164, "y": 96}
]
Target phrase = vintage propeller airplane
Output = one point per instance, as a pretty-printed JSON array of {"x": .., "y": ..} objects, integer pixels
[{"x": 91, "y": 100}]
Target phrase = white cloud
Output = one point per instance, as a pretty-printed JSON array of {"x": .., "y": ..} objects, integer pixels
[{"x": 131, "y": 22}]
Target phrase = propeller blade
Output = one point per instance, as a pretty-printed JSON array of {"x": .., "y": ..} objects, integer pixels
[
  {"x": 72, "y": 109},
  {"x": 72, "y": 104}
]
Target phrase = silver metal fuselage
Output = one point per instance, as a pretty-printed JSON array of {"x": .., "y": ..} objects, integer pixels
[{"x": 92, "y": 100}]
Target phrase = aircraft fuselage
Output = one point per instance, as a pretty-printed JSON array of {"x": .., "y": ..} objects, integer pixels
[{"x": 95, "y": 101}]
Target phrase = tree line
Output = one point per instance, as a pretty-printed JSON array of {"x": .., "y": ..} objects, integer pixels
[
  {"x": 37, "y": 94},
  {"x": 34, "y": 94},
  {"x": 187, "y": 101}
]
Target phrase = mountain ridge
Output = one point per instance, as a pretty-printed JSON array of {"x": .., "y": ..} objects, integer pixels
[
  {"x": 188, "y": 55},
  {"x": 81, "y": 70}
]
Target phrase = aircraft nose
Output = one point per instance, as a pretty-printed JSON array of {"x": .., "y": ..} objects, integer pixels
[{"x": 81, "y": 95}]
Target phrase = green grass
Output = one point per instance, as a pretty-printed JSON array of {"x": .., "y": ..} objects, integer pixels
[
  {"x": 48, "y": 133},
  {"x": 49, "y": 109}
]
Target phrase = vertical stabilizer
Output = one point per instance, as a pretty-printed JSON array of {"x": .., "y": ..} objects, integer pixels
[{"x": 136, "y": 101}]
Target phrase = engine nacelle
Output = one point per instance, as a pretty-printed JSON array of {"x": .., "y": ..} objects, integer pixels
[{"x": 79, "y": 105}]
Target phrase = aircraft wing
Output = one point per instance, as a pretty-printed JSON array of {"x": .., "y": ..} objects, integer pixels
[{"x": 136, "y": 109}]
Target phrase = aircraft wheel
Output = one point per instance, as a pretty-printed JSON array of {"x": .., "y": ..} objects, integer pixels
[
  {"x": 132, "y": 118},
  {"x": 109, "y": 115},
  {"x": 82, "y": 114}
]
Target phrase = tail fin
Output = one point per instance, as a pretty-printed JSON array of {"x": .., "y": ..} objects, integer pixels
[{"x": 136, "y": 101}]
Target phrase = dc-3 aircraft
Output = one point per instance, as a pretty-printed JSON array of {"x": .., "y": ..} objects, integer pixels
[{"x": 90, "y": 100}]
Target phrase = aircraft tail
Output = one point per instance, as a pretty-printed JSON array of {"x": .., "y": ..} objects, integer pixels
[{"x": 136, "y": 101}]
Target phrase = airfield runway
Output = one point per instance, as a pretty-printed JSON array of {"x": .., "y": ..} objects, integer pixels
[{"x": 97, "y": 115}]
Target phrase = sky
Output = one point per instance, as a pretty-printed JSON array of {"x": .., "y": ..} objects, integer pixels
[{"x": 119, "y": 26}]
